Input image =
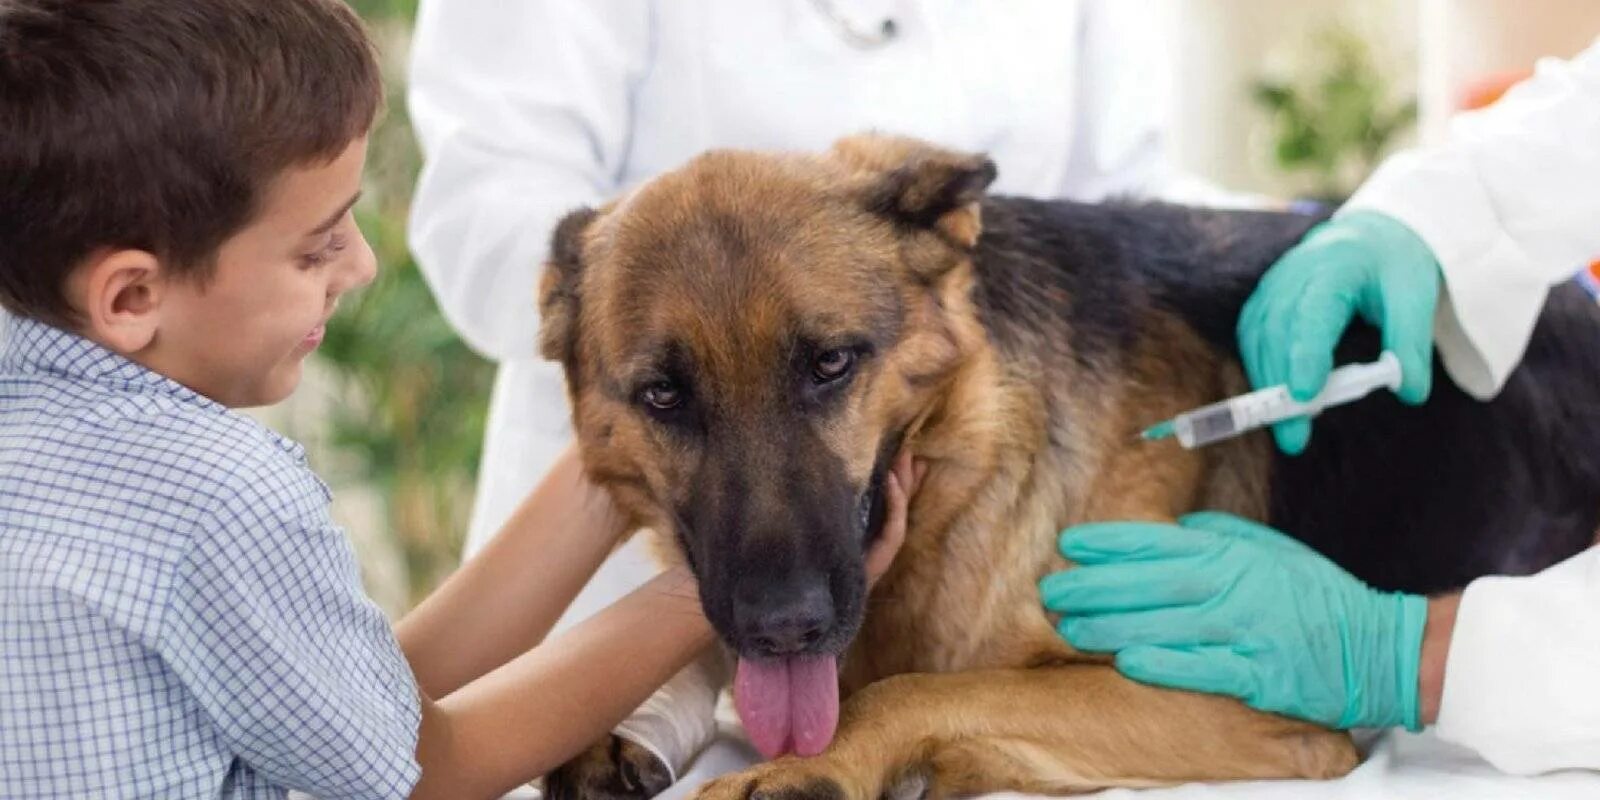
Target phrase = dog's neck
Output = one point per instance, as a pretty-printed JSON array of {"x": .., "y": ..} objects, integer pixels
[{"x": 976, "y": 415}]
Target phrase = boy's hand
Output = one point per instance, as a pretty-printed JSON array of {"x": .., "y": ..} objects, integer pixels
[
  {"x": 901, "y": 484},
  {"x": 593, "y": 506}
]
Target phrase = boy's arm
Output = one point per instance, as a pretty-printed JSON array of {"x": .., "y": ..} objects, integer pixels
[
  {"x": 530, "y": 715},
  {"x": 505, "y": 600}
]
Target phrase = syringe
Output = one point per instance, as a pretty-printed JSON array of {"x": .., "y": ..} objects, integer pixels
[{"x": 1247, "y": 412}]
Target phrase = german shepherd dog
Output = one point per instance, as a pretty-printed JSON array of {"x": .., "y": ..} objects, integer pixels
[{"x": 749, "y": 341}]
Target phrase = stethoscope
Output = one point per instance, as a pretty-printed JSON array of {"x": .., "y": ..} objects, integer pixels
[{"x": 865, "y": 40}]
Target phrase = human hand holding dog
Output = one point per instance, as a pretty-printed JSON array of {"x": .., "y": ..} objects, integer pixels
[
  {"x": 1224, "y": 605},
  {"x": 899, "y": 486}
]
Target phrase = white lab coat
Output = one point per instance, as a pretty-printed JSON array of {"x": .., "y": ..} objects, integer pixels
[{"x": 1511, "y": 205}]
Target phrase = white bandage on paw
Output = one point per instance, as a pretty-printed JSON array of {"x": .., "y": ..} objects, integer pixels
[{"x": 679, "y": 720}]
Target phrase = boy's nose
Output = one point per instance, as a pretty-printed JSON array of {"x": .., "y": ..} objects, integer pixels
[{"x": 363, "y": 268}]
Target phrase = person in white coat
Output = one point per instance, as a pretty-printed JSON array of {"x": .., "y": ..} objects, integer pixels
[
  {"x": 1487, "y": 222},
  {"x": 527, "y": 110}
]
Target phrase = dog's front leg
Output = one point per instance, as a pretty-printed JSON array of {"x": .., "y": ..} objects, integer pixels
[{"x": 1053, "y": 730}]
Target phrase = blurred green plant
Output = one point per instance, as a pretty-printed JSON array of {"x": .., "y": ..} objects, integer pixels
[
  {"x": 413, "y": 397},
  {"x": 1335, "y": 127},
  {"x": 384, "y": 11}
]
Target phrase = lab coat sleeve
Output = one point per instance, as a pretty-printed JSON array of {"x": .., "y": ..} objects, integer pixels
[
  {"x": 1509, "y": 206},
  {"x": 523, "y": 113},
  {"x": 1126, "y": 106},
  {"x": 1519, "y": 684}
]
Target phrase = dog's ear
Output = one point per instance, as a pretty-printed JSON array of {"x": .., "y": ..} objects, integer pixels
[
  {"x": 918, "y": 184},
  {"x": 558, "y": 287}
]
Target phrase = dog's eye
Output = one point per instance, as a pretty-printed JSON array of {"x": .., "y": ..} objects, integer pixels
[
  {"x": 833, "y": 365},
  {"x": 662, "y": 396}
]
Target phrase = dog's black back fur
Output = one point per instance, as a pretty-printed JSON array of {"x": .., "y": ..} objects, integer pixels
[{"x": 1419, "y": 499}]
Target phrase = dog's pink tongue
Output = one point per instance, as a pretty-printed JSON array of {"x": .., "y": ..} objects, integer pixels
[
  {"x": 814, "y": 702},
  {"x": 788, "y": 704},
  {"x": 761, "y": 694}
]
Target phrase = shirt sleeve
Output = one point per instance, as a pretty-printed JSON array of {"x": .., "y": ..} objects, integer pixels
[
  {"x": 1519, "y": 683},
  {"x": 1509, "y": 207},
  {"x": 524, "y": 112},
  {"x": 268, "y": 628}
]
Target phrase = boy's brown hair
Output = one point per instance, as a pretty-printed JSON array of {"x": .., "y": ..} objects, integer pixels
[{"x": 158, "y": 125}]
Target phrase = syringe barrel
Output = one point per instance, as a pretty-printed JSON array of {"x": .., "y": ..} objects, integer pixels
[{"x": 1228, "y": 418}]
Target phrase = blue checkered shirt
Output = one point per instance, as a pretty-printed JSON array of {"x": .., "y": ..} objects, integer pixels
[{"x": 179, "y": 617}]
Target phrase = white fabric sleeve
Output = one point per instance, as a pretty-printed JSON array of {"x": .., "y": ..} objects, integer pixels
[
  {"x": 1509, "y": 206},
  {"x": 680, "y": 719},
  {"x": 1520, "y": 681},
  {"x": 523, "y": 111}
]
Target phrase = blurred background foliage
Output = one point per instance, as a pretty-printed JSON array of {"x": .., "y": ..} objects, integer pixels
[
  {"x": 416, "y": 397},
  {"x": 1334, "y": 124}
]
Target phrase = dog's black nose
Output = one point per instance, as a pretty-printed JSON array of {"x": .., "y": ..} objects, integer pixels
[{"x": 784, "y": 623}]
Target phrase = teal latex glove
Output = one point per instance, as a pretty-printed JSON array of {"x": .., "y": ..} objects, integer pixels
[
  {"x": 1223, "y": 605},
  {"x": 1363, "y": 263}
]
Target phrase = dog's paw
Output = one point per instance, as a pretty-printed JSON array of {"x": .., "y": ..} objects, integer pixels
[
  {"x": 1324, "y": 755},
  {"x": 613, "y": 769},
  {"x": 784, "y": 779}
]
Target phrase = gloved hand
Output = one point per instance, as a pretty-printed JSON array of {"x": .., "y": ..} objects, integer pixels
[
  {"x": 1362, "y": 262},
  {"x": 1227, "y": 606}
]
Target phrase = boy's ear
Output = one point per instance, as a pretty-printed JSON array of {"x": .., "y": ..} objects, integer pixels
[
  {"x": 558, "y": 287},
  {"x": 117, "y": 295},
  {"x": 918, "y": 184}
]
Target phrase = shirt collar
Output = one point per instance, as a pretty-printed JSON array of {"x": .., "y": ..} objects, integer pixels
[{"x": 30, "y": 346}]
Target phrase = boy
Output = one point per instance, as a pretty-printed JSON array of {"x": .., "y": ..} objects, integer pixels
[{"x": 179, "y": 617}]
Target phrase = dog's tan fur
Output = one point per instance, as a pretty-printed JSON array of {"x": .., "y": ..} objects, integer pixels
[{"x": 957, "y": 681}]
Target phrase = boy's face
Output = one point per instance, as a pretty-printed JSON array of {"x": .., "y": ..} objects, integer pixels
[{"x": 241, "y": 337}]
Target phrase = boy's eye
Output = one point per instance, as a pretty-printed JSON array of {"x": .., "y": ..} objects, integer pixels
[{"x": 324, "y": 254}]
